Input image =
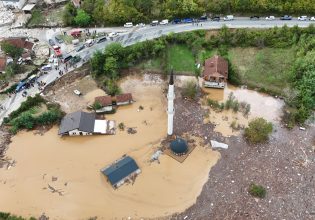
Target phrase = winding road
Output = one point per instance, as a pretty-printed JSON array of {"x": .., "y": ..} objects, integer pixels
[{"x": 127, "y": 37}]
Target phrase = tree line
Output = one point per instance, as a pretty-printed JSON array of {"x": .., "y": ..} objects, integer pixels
[{"x": 117, "y": 12}]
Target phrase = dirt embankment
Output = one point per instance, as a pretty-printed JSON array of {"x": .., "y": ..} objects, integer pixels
[{"x": 5, "y": 140}]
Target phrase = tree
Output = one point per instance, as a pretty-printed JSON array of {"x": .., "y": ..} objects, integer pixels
[
  {"x": 111, "y": 68},
  {"x": 13, "y": 51},
  {"x": 97, "y": 63},
  {"x": 258, "y": 130},
  {"x": 69, "y": 14},
  {"x": 82, "y": 19}
]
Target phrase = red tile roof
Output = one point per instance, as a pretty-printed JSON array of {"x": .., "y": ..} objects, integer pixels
[
  {"x": 3, "y": 63},
  {"x": 215, "y": 67},
  {"x": 104, "y": 100},
  {"x": 20, "y": 43},
  {"x": 124, "y": 97}
]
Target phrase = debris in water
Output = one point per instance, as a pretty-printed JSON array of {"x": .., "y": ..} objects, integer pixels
[
  {"x": 53, "y": 178},
  {"x": 156, "y": 156},
  {"x": 216, "y": 144},
  {"x": 131, "y": 130}
]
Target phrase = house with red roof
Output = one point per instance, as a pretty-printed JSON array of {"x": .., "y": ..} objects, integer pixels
[{"x": 215, "y": 73}]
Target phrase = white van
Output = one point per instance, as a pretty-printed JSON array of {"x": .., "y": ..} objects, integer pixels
[
  {"x": 128, "y": 25},
  {"x": 154, "y": 23},
  {"x": 228, "y": 18},
  {"x": 164, "y": 22}
]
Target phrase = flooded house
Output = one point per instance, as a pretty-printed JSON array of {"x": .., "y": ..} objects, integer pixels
[
  {"x": 105, "y": 102},
  {"x": 83, "y": 123},
  {"x": 215, "y": 73},
  {"x": 121, "y": 170},
  {"x": 124, "y": 99}
]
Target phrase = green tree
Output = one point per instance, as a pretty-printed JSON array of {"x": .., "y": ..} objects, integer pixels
[
  {"x": 82, "y": 19},
  {"x": 189, "y": 89},
  {"x": 69, "y": 14},
  {"x": 111, "y": 68},
  {"x": 258, "y": 130},
  {"x": 13, "y": 51}
]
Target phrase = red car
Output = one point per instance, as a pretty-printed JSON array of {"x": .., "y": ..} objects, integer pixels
[
  {"x": 76, "y": 33},
  {"x": 57, "y": 51}
]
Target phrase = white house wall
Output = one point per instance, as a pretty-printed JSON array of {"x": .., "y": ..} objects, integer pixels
[{"x": 76, "y": 132}]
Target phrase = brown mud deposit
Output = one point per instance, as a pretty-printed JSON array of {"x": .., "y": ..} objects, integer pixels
[{"x": 72, "y": 166}]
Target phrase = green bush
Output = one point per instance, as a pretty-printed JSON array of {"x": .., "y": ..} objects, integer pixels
[
  {"x": 8, "y": 216},
  {"x": 258, "y": 130},
  {"x": 189, "y": 89},
  {"x": 215, "y": 104},
  {"x": 112, "y": 87},
  {"x": 49, "y": 117},
  {"x": 121, "y": 126},
  {"x": 257, "y": 191},
  {"x": 29, "y": 103}
]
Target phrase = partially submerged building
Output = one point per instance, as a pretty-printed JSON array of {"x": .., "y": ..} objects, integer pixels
[
  {"x": 124, "y": 99},
  {"x": 105, "y": 103},
  {"x": 179, "y": 147},
  {"x": 215, "y": 73},
  {"x": 121, "y": 170},
  {"x": 83, "y": 123}
]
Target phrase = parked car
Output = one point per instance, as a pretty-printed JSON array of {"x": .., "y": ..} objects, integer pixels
[
  {"x": 113, "y": 34},
  {"x": 20, "y": 86},
  {"x": 187, "y": 20},
  {"x": 76, "y": 33},
  {"x": 312, "y": 18},
  {"x": 270, "y": 18},
  {"x": 56, "y": 62},
  {"x": 46, "y": 67},
  {"x": 228, "y": 18},
  {"x": 176, "y": 21},
  {"x": 77, "y": 92},
  {"x": 51, "y": 42},
  {"x": 215, "y": 18},
  {"x": 254, "y": 17},
  {"x": 58, "y": 39},
  {"x": 80, "y": 48},
  {"x": 67, "y": 58},
  {"x": 203, "y": 18},
  {"x": 286, "y": 17},
  {"x": 164, "y": 22},
  {"x": 302, "y": 18},
  {"x": 100, "y": 40},
  {"x": 57, "y": 51},
  {"x": 89, "y": 42},
  {"x": 75, "y": 59},
  {"x": 140, "y": 25},
  {"x": 128, "y": 25},
  {"x": 154, "y": 23}
]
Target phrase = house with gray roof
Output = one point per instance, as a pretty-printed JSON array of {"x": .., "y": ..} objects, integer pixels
[
  {"x": 84, "y": 123},
  {"x": 121, "y": 170}
]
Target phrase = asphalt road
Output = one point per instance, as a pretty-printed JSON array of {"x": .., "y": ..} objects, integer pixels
[{"x": 129, "y": 36}]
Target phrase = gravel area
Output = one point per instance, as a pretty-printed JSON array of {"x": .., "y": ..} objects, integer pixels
[{"x": 284, "y": 166}]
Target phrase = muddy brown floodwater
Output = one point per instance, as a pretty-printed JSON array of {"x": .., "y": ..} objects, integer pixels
[
  {"x": 262, "y": 105},
  {"x": 72, "y": 165}
]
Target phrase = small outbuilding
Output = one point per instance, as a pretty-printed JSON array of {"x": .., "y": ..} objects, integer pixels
[
  {"x": 105, "y": 102},
  {"x": 124, "y": 99},
  {"x": 28, "y": 8},
  {"x": 121, "y": 170},
  {"x": 179, "y": 147}
]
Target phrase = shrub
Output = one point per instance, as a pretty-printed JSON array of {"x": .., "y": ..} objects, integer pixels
[
  {"x": 215, "y": 104},
  {"x": 189, "y": 89},
  {"x": 111, "y": 87},
  {"x": 121, "y": 126},
  {"x": 96, "y": 106},
  {"x": 49, "y": 117},
  {"x": 258, "y": 130},
  {"x": 257, "y": 190}
]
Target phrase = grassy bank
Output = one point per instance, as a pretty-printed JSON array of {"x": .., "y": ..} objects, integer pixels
[{"x": 268, "y": 69}]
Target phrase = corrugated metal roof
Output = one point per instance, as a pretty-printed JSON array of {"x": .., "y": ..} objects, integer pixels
[
  {"x": 124, "y": 97},
  {"x": 120, "y": 170},
  {"x": 82, "y": 121}
]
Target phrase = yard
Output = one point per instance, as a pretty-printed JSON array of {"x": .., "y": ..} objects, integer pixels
[
  {"x": 46, "y": 17},
  {"x": 179, "y": 57},
  {"x": 267, "y": 69}
]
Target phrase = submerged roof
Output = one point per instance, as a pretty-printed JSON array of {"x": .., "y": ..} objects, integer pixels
[
  {"x": 124, "y": 97},
  {"x": 215, "y": 67},
  {"x": 104, "y": 100},
  {"x": 179, "y": 146},
  {"x": 82, "y": 121},
  {"x": 120, "y": 170}
]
